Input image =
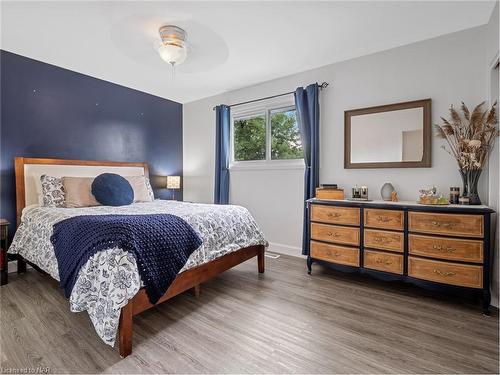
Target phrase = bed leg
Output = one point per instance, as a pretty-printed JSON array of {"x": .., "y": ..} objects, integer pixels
[
  {"x": 21, "y": 265},
  {"x": 125, "y": 330},
  {"x": 260, "y": 259},
  {"x": 196, "y": 291}
]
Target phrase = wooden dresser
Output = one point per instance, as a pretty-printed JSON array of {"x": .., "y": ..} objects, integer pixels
[{"x": 443, "y": 247}]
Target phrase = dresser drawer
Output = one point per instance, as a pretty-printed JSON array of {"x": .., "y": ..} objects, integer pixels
[
  {"x": 446, "y": 248},
  {"x": 446, "y": 272},
  {"x": 385, "y": 240},
  {"x": 335, "y": 234},
  {"x": 385, "y": 219},
  {"x": 335, "y": 254},
  {"x": 450, "y": 224},
  {"x": 386, "y": 262},
  {"x": 335, "y": 215}
]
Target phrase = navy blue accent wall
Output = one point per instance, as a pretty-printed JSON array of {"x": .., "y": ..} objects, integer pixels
[{"x": 47, "y": 111}]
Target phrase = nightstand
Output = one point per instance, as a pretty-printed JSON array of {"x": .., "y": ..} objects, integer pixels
[{"x": 4, "y": 245}]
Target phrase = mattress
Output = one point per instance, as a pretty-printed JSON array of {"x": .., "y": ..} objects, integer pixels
[{"x": 110, "y": 278}]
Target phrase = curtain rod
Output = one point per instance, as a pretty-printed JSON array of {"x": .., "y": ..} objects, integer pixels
[{"x": 321, "y": 86}]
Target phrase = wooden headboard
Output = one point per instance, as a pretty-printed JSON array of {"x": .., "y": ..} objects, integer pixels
[{"x": 28, "y": 170}]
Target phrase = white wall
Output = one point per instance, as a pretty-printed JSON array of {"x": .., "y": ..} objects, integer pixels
[
  {"x": 274, "y": 197},
  {"x": 492, "y": 38},
  {"x": 448, "y": 69},
  {"x": 437, "y": 69}
]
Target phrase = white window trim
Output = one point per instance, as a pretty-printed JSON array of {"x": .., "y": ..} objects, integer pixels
[{"x": 256, "y": 109}]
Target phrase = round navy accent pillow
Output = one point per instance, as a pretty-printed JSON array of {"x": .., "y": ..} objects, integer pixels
[{"x": 111, "y": 189}]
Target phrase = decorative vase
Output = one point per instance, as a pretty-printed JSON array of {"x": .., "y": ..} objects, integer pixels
[
  {"x": 470, "y": 178},
  {"x": 386, "y": 191}
]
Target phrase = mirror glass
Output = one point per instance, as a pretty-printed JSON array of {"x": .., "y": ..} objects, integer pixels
[{"x": 388, "y": 136}]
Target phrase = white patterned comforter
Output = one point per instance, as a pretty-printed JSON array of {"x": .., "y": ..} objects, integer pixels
[{"x": 110, "y": 278}]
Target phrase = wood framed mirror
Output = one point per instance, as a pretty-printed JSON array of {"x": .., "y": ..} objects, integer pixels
[{"x": 388, "y": 136}]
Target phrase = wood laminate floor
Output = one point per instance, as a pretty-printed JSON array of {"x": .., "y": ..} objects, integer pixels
[{"x": 281, "y": 322}]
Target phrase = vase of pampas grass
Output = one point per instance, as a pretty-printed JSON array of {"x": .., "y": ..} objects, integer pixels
[
  {"x": 470, "y": 138},
  {"x": 470, "y": 178}
]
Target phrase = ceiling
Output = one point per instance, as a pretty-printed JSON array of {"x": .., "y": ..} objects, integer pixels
[{"x": 234, "y": 44}]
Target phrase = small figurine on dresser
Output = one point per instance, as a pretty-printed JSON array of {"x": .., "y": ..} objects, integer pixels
[
  {"x": 394, "y": 196},
  {"x": 359, "y": 193},
  {"x": 356, "y": 192},
  {"x": 454, "y": 194},
  {"x": 431, "y": 197},
  {"x": 364, "y": 192}
]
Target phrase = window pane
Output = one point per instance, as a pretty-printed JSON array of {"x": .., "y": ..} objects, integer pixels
[
  {"x": 285, "y": 136},
  {"x": 250, "y": 138}
]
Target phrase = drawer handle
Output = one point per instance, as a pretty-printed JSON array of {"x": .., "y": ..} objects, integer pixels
[
  {"x": 445, "y": 224},
  {"x": 333, "y": 234},
  {"x": 441, "y": 273},
  {"x": 383, "y": 219},
  {"x": 380, "y": 239},
  {"x": 330, "y": 254},
  {"x": 447, "y": 249},
  {"x": 334, "y": 215},
  {"x": 381, "y": 260}
]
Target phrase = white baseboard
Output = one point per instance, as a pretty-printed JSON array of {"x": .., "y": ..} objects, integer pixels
[
  {"x": 12, "y": 266},
  {"x": 494, "y": 302},
  {"x": 286, "y": 249}
]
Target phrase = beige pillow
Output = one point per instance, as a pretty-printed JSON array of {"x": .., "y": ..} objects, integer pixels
[
  {"x": 79, "y": 192},
  {"x": 141, "y": 191}
]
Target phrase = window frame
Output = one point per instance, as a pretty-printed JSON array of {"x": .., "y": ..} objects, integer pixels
[{"x": 259, "y": 109}]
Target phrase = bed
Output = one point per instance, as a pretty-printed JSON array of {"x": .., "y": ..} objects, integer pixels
[{"x": 108, "y": 286}]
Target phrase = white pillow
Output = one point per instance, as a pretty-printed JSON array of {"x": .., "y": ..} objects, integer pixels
[{"x": 38, "y": 187}]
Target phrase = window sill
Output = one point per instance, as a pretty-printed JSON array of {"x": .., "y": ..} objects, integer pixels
[{"x": 286, "y": 165}]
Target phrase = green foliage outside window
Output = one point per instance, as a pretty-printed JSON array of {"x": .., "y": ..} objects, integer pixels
[
  {"x": 250, "y": 137},
  {"x": 285, "y": 136}
]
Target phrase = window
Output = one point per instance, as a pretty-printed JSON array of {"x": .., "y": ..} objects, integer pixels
[
  {"x": 266, "y": 136},
  {"x": 250, "y": 138},
  {"x": 285, "y": 136}
]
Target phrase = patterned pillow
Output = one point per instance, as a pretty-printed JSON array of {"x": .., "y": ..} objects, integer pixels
[
  {"x": 141, "y": 190},
  {"x": 53, "y": 194},
  {"x": 150, "y": 189}
]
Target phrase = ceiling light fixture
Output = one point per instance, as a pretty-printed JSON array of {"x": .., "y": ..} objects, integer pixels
[{"x": 173, "y": 47}]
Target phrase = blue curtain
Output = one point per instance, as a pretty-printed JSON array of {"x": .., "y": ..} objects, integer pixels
[
  {"x": 222, "y": 123},
  {"x": 307, "y": 107}
]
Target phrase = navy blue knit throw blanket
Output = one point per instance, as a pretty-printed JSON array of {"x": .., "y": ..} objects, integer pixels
[{"x": 161, "y": 244}]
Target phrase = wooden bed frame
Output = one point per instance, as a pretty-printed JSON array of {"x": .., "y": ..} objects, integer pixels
[{"x": 189, "y": 279}]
